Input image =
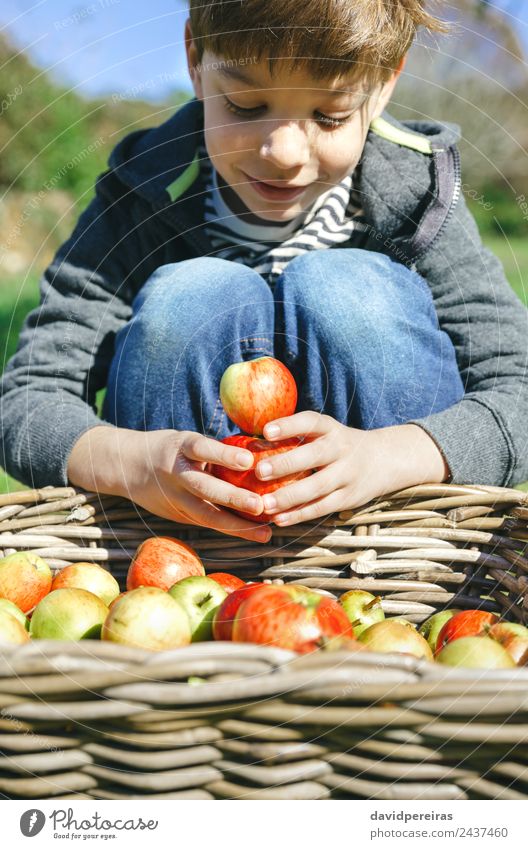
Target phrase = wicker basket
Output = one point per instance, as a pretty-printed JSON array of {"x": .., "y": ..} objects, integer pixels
[{"x": 221, "y": 720}]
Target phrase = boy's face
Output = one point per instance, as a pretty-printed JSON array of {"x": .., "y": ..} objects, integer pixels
[{"x": 299, "y": 133}]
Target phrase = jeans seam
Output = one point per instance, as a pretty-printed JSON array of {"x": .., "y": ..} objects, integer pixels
[
  {"x": 256, "y": 339},
  {"x": 218, "y": 408}
]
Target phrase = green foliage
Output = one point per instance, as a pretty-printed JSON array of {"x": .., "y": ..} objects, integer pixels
[
  {"x": 50, "y": 136},
  {"x": 497, "y": 212}
]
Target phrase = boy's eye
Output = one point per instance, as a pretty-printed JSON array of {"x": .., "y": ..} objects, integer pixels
[{"x": 325, "y": 120}]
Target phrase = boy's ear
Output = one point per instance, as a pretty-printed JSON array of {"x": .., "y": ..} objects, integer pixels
[
  {"x": 193, "y": 63},
  {"x": 387, "y": 89}
]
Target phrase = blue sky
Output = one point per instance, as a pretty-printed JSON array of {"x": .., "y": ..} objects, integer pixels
[{"x": 122, "y": 46}]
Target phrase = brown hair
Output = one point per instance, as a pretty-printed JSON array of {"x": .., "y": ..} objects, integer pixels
[{"x": 359, "y": 39}]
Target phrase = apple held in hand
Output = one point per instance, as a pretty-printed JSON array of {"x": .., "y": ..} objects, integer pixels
[
  {"x": 225, "y": 615},
  {"x": 200, "y": 598},
  {"x": 362, "y": 608},
  {"x": 25, "y": 579},
  {"x": 432, "y": 626},
  {"x": 260, "y": 448},
  {"x": 475, "y": 653},
  {"x": 88, "y": 576},
  {"x": 228, "y": 582},
  {"x": 68, "y": 614},
  {"x": 467, "y": 623},
  {"x": 148, "y": 618},
  {"x": 290, "y": 617},
  {"x": 12, "y": 632},
  {"x": 255, "y": 392},
  {"x": 161, "y": 561},
  {"x": 391, "y": 636}
]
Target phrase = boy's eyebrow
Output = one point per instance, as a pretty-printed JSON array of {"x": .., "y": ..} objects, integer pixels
[{"x": 236, "y": 74}]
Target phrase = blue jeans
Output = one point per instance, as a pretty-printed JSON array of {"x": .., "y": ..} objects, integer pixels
[{"x": 358, "y": 331}]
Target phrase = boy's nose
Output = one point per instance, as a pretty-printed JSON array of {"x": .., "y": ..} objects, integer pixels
[{"x": 286, "y": 146}]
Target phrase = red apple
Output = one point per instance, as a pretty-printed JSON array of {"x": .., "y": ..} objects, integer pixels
[
  {"x": 68, "y": 614},
  {"x": 224, "y": 616},
  {"x": 25, "y": 579},
  {"x": 260, "y": 448},
  {"x": 161, "y": 562},
  {"x": 475, "y": 653},
  {"x": 255, "y": 392},
  {"x": 88, "y": 576},
  {"x": 467, "y": 623},
  {"x": 514, "y": 638},
  {"x": 230, "y": 583},
  {"x": 392, "y": 636},
  {"x": 12, "y": 632},
  {"x": 290, "y": 617},
  {"x": 148, "y": 618}
]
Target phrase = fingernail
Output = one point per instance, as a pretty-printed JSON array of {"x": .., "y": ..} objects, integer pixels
[
  {"x": 263, "y": 536},
  {"x": 252, "y": 503},
  {"x": 265, "y": 469},
  {"x": 244, "y": 460},
  {"x": 280, "y": 519},
  {"x": 272, "y": 430},
  {"x": 270, "y": 502}
]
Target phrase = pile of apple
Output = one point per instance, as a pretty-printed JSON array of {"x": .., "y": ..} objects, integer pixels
[{"x": 171, "y": 602}]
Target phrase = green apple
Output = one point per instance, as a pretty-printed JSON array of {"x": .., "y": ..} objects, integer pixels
[
  {"x": 432, "y": 626},
  {"x": 475, "y": 653},
  {"x": 68, "y": 614},
  {"x": 7, "y": 606},
  {"x": 200, "y": 597},
  {"x": 403, "y": 621},
  {"x": 362, "y": 609},
  {"x": 12, "y": 632},
  {"x": 393, "y": 636},
  {"x": 147, "y": 618}
]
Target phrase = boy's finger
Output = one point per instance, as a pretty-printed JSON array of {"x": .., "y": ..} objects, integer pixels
[
  {"x": 203, "y": 449},
  {"x": 308, "y": 423},
  {"x": 311, "y": 455},
  {"x": 209, "y": 516},
  {"x": 315, "y": 510},
  {"x": 209, "y": 488},
  {"x": 300, "y": 492}
]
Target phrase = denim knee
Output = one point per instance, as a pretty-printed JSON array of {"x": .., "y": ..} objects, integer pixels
[
  {"x": 353, "y": 289},
  {"x": 181, "y": 299}
]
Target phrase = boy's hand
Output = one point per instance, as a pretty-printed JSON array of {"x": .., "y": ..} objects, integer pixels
[
  {"x": 163, "y": 471},
  {"x": 352, "y": 466}
]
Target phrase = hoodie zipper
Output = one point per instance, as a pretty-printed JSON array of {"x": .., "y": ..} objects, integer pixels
[{"x": 457, "y": 188}]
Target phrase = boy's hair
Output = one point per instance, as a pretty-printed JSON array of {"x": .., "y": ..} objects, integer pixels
[{"x": 360, "y": 39}]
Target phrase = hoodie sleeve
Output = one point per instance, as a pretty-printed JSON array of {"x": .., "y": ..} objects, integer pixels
[
  {"x": 47, "y": 392},
  {"x": 484, "y": 437}
]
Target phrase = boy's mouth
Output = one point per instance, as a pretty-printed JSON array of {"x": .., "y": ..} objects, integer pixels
[{"x": 275, "y": 192}]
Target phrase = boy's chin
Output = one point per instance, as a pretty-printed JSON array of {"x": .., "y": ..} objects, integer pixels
[{"x": 275, "y": 214}]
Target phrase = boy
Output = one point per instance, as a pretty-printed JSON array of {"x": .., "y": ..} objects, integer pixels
[{"x": 278, "y": 212}]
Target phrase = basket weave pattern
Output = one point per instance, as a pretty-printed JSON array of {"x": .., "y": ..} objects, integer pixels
[{"x": 221, "y": 720}]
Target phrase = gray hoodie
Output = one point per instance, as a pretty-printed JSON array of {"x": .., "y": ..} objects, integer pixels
[{"x": 148, "y": 211}]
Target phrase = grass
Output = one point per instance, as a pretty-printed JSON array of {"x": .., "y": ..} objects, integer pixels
[{"x": 18, "y": 297}]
